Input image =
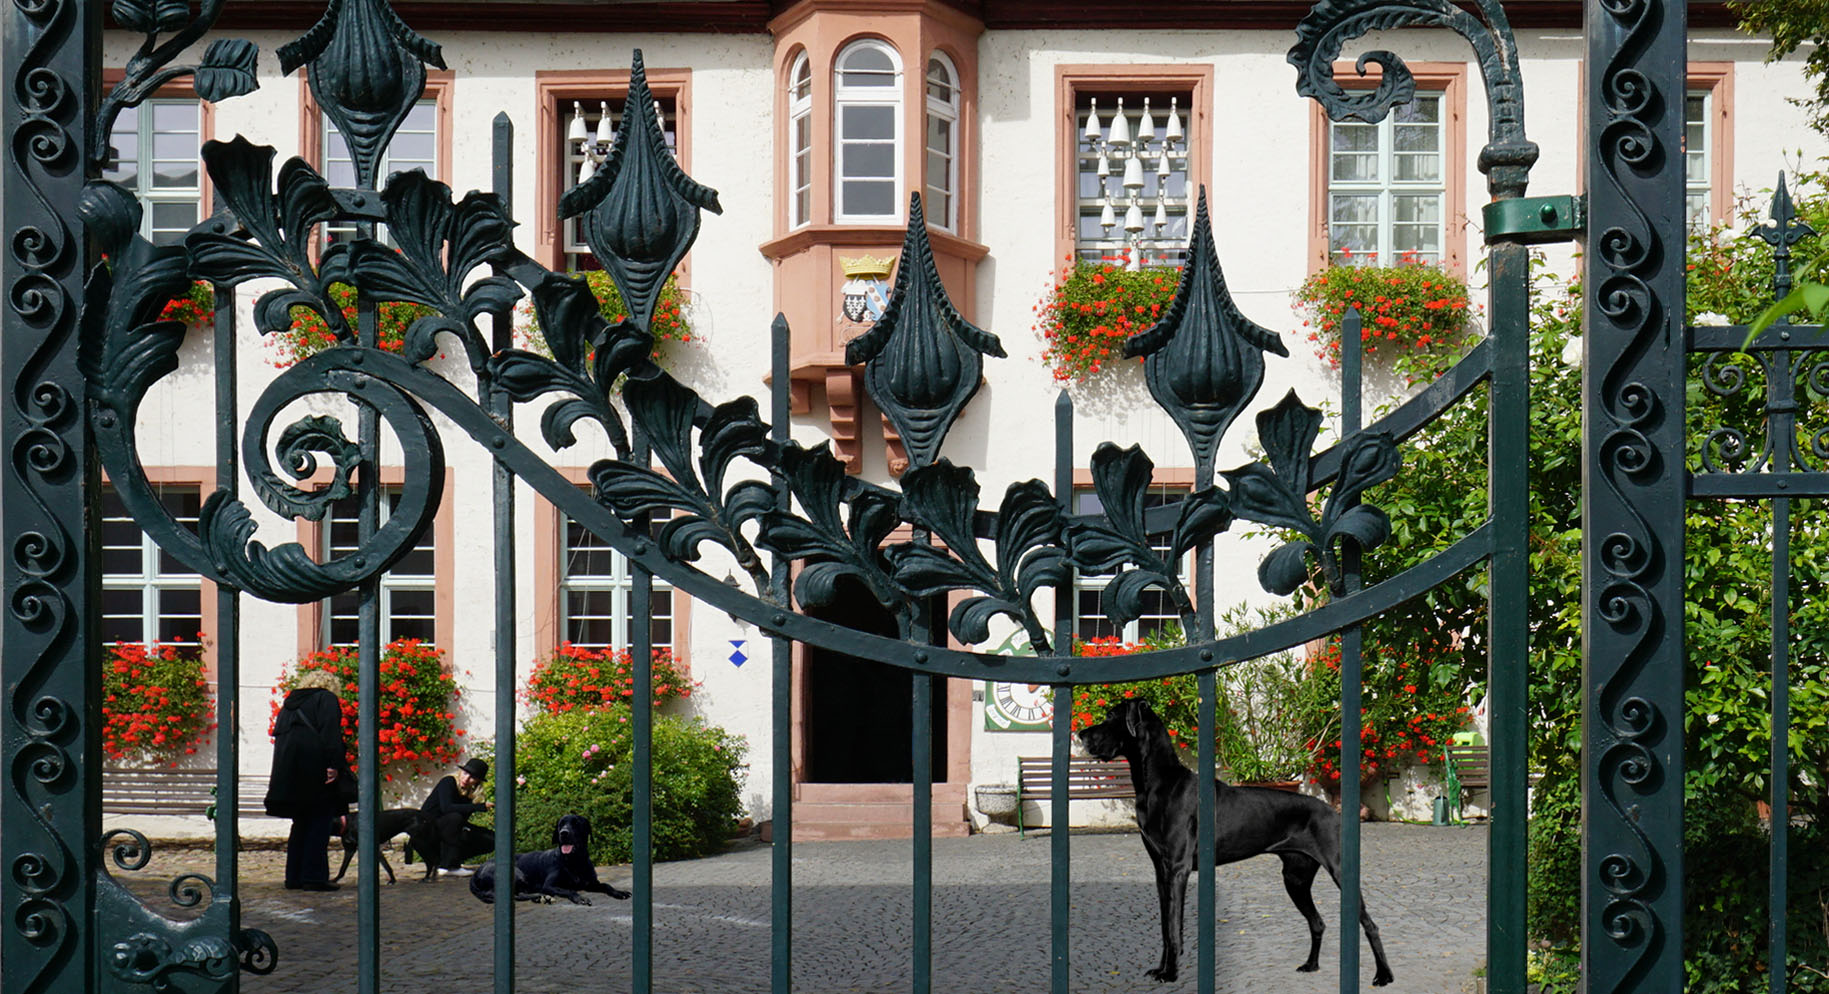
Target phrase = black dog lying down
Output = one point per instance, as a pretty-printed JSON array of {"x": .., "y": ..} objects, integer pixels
[
  {"x": 1248, "y": 821},
  {"x": 561, "y": 871},
  {"x": 388, "y": 824}
]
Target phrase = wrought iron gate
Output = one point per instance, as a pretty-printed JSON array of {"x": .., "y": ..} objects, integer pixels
[{"x": 82, "y": 347}]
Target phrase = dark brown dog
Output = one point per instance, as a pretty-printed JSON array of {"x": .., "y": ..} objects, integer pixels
[{"x": 1248, "y": 821}]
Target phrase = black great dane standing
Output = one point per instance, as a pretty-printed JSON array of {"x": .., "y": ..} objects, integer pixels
[{"x": 1248, "y": 821}]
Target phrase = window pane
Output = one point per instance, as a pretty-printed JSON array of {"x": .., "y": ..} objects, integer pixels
[
  {"x": 173, "y": 218},
  {"x": 868, "y": 122},
  {"x": 867, "y": 65},
  {"x": 1416, "y": 168},
  {"x": 174, "y": 116},
  {"x": 939, "y": 81},
  {"x": 868, "y": 197},
  {"x": 939, "y": 134},
  {"x": 803, "y": 79},
  {"x": 1355, "y": 168},
  {"x": 1410, "y": 208},
  {"x": 867, "y": 161},
  {"x": 123, "y": 615},
  {"x": 423, "y": 629},
  {"x": 1355, "y": 138},
  {"x": 1423, "y": 109},
  {"x": 1417, "y": 137}
]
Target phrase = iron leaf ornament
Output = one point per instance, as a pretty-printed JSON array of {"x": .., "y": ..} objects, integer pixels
[
  {"x": 922, "y": 360},
  {"x": 1028, "y": 536},
  {"x": 367, "y": 69},
  {"x": 666, "y": 412},
  {"x": 832, "y": 546},
  {"x": 226, "y": 70},
  {"x": 1277, "y": 495},
  {"x": 439, "y": 246},
  {"x": 275, "y": 236},
  {"x": 1204, "y": 360},
  {"x": 125, "y": 347},
  {"x": 1122, "y": 478},
  {"x": 640, "y": 211},
  {"x": 1330, "y": 24}
]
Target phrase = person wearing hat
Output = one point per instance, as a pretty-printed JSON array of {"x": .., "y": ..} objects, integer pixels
[
  {"x": 311, "y": 782},
  {"x": 449, "y": 807}
]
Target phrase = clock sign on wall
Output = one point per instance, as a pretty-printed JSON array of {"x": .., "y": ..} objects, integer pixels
[{"x": 1018, "y": 707}]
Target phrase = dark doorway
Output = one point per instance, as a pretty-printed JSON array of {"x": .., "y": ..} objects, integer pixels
[{"x": 860, "y": 712}]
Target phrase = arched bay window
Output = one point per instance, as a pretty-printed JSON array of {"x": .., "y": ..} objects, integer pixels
[
  {"x": 800, "y": 142},
  {"x": 867, "y": 105},
  {"x": 942, "y": 141}
]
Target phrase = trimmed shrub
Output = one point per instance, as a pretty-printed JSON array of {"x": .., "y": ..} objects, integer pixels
[{"x": 579, "y": 762}]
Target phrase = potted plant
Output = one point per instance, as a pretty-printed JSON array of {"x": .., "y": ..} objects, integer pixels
[
  {"x": 418, "y": 731},
  {"x": 156, "y": 703},
  {"x": 1092, "y": 307},
  {"x": 1403, "y": 308},
  {"x": 196, "y": 308},
  {"x": 1275, "y": 710},
  {"x": 311, "y": 334},
  {"x": 670, "y": 319}
]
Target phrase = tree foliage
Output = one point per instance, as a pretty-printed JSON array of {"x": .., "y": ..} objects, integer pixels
[{"x": 1794, "y": 24}]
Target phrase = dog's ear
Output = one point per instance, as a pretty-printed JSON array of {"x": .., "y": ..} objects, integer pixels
[{"x": 1137, "y": 718}]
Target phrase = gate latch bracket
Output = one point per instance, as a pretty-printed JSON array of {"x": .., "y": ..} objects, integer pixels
[{"x": 1532, "y": 220}]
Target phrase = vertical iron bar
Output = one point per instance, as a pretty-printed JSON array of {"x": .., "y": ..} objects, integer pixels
[
  {"x": 1633, "y": 491},
  {"x": 1205, "y": 889},
  {"x": 921, "y": 742},
  {"x": 368, "y": 669},
  {"x": 1781, "y": 728},
  {"x": 1060, "y": 877},
  {"x": 1352, "y": 672},
  {"x": 228, "y": 626},
  {"x": 50, "y": 491},
  {"x": 1508, "y": 624},
  {"x": 781, "y": 866},
  {"x": 1206, "y": 905},
  {"x": 501, "y": 406},
  {"x": 641, "y": 651},
  {"x": 1781, "y": 400}
]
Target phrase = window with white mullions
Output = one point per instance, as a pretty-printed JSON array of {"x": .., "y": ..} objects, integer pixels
[
  {"x": 596, "y": 589},
  {"x": 1090, "y": 620},
  {"x": 590, "y": 133},
  {"x": 1386, "y": 187},
  {"x": 800, "y": 142},
  {"x": 1134, "y": 196},
  {"x": 867, "y": 101},
  {"x": 147, "y": 595},
  {"x": 942, "y": 142},
  {"x": 408, "y": 590},
  {"x": 1698, "y": 150},
  {"x": 156, "y": 157},
  {"x": 414, "y": 146}
]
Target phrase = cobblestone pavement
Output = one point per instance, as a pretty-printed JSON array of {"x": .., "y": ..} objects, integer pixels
[{"x": 1425, "y": 887}]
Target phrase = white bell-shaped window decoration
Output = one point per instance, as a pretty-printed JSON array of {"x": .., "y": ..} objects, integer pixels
[
  {"x": 1133, "y": 219},
  {"x": 1120, "y": 128},
  {"x": 1094, "y": 131},
  {"x": 1107, "y": 217},
  {"x": 1162, "y": 166},
  {"x": 1146, "y": 129},
  {"x": 1104, "y": 166},
  {"x": 604, "y": 132},
  {"x": 1133, "y": 173},
  {"x": 586, "y": 170},
  {"x": 1161, "y": 219},
  {"x": 575, "y": 131},
  {"x": 1172, "y": 132}
]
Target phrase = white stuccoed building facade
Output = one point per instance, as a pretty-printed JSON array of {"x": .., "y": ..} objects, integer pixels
[{"x": 1011, "y": 111}]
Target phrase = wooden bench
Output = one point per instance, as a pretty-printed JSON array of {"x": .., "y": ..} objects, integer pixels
[
  {"x": 1469, "y": 768},
  {"x": 1087, "y": 779},
  {"x": 134, "y": 791}
]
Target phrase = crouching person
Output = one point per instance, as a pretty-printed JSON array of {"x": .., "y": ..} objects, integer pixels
[{"x": 449, "y": 808}]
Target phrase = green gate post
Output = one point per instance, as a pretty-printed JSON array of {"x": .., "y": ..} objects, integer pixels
[
  {"x": 1632, "y": 494},
  {"x": 50, "y": 818}
]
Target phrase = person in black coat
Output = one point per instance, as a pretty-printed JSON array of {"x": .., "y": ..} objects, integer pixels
[
  {"x": 449, "y": 807},
  {"x": 311, "y": 782}
]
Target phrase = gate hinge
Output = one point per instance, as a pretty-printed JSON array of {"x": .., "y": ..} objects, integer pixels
[{"x": 1535, "y": 219}]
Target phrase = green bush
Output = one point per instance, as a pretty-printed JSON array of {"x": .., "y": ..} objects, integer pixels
[{"x": 579, "y": 762}]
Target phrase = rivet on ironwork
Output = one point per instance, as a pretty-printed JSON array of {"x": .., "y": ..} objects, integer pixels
[
  {"x": 107, "y": 419},
  {"x": 360, "y": 381},
  {"x": 780, "y": 619},
  {"x": 641, "y": 548},
  {"x": 499, "y": 442},
  {"x": 359, "y": 200},
  {"x": 222, "y": 566},
  {"x": 920, "y": 657},
  {"x": 1548, "y": 213},
  {"x": 1784, "y": 484},
  {"x": 1064, "y": 669},
  {"x": 1784, "y": 336},
  {"x": 219, "y": 227},
  {"x": 357, "y": 358},
  {"x": 1206, "y": 655},
  {"x": 361, "y": 562}
]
